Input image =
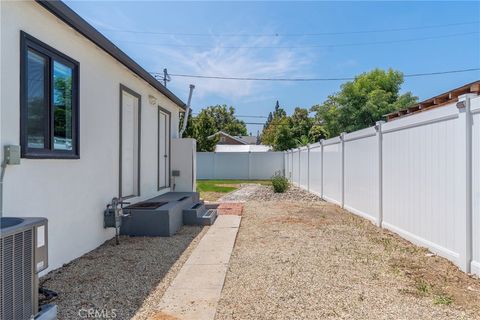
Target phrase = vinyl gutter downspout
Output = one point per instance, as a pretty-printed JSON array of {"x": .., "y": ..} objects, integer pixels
[{"x": 187, "y": 111}]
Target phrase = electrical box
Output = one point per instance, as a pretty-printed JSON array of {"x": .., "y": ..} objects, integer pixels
[
  {"x": 175, "y": 173},
  {"x": 12, "y": 154}
]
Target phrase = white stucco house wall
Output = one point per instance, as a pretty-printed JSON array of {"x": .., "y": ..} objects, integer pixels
[{"x": 92, "y": 124}]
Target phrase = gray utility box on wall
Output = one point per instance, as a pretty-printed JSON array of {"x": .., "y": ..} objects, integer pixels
[{"x": 24, "y": 253}]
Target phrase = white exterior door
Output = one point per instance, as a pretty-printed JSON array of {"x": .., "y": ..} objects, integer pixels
[
  {"x": 129, "y": 145},
  {"x": 163, "y": 149}
]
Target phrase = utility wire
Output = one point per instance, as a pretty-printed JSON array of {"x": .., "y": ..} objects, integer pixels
[
  {"x": 293, "y": 34},
  {"x": 270, "y": 124},
  {"x": 411, "y": 75},
  {"x": 240, "y": 116},
  {"x": 353, "y": 44}
]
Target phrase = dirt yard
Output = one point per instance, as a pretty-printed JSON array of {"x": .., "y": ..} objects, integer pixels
[
  {"x": 296, "y": 257},
  {"x": 124, "y": 281},
  {"x": 302, "y": 258}
]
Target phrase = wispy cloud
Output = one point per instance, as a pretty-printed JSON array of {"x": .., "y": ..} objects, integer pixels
[
  {"x": 215, "y": 59},
  {"x": 219, "y": 60}
]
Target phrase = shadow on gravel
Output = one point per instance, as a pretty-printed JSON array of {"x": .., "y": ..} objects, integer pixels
[{"x": 113, "y": 281}]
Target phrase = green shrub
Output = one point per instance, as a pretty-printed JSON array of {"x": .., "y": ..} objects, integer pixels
[{"x": 280, "y": 183}]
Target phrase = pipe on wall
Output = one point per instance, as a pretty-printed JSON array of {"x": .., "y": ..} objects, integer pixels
[{"x": 187, "y": 111}]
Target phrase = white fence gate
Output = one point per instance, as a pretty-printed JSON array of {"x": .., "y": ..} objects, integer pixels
[
  {"x": 418, "y": 176},
  {"x": 239, "y": 165}
]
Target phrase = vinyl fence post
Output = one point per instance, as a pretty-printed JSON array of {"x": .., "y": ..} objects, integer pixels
[
  {"x": 378, "y": 128},
  {"x": 299, "y": 169},
  {"x": 249, "y": 165},
  {"x": 286, "y": 164},
  {"x": 342, "y": 139},
  {"x": 291, "y": 165},
  {"x": 214, "y": 166},
  {"x": 308, "y": 167},
  {"x": 466, "y": 255},
  {"x": 321, "y": 168}
]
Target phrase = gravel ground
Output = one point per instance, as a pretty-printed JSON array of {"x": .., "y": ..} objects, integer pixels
[
  {"x": 265, "y": 193},
  {"x": 311, "y": 260},
  {"x": 126, "y": 280},
  {"x": 257, "y": 192},
  {"x": 240, "y": 195}
]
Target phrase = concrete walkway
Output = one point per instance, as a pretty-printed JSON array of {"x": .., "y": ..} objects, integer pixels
[{"x": 195, "y": 292}]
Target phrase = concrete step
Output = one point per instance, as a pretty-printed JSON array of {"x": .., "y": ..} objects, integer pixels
[
  {"x": 198, "y": 214},
  {"x": 192, "y": 213},
  {"x": 208, "y": 218}
]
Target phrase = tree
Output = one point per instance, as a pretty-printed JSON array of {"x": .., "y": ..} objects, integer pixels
[
  {"x": 300, "y": 123},
  {"x": 277, "y": 113},
  {"x": 211, "y": 120},
  {"x": 271, "y": 126},
  {"x": 204, "y": 127},
  {"x": 302, "y": 141},
  {"x": 225, "y": 120},
  {"x": 283, "y": 138},
  {"x": 283, "y": 132},
  {"x": 362, "y": 102},
  {"x": 63, "y": 107},
  {"x": 189, "y": 131},
  {"x": 270, "y": 132},
  {"x": 328, "y": 115},
  {"x": 316, "y": 133}
]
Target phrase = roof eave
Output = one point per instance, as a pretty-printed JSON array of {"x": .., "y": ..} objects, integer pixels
[
  {"x": 71, "y": 18},
  {"x": 436, "y": 101}
]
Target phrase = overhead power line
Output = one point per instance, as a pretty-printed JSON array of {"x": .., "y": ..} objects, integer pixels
[
  {"x": 240, "y": 116},
  {"x": 292, "y": 34},
  {"x": 411, "y": 75},
  {"x": 271, "y": 124},
  {"x": 353, "y": 44},
  {"x": 259, "y": 117}
]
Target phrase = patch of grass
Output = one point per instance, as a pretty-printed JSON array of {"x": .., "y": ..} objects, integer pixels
[
  {"x": 442, "y": 299},
  {"x": 423, "y": 287},
  {"x": 212, "y": 189},
  {"x": 232, "y": 181},
  {"x": 207, "y": 186}
]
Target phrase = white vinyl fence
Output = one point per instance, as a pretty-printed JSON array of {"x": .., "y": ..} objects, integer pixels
[
  {"x": 239, "y": 165},
  {"x": 418, "y": 176}
]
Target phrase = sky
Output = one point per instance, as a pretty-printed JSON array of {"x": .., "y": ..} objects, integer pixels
[{"x": 291, "y": 40}]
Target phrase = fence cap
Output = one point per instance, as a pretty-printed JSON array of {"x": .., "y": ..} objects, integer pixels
[{"x": 378, "y": 125}]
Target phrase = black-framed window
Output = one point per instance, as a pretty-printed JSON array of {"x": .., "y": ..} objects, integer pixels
[{"x": 49, "y": 115}]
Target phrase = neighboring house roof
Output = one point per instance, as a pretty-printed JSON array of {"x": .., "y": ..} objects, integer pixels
[
  {"x": 437, "y": 101},
  {"x": 242, "y": 148},
  {"x": 67, "y": 15},
  {"x": 240, "y": 139},
  {"x": 226, "y": 135},
  {"x": 248, "y": 139}
]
